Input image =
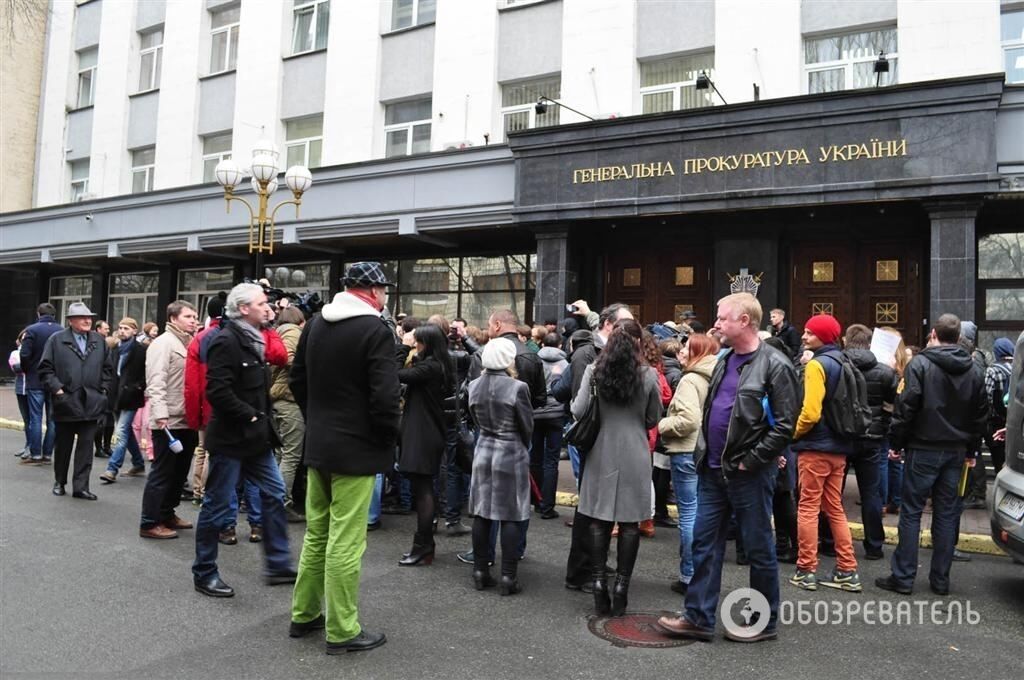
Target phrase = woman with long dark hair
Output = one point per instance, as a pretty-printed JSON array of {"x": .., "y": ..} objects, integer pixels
[
  {"x": 429, "y": 379},
  {"x": 617, "y": 484}
]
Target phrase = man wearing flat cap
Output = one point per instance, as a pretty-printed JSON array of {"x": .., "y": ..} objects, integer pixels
[
  {"x": 345, "y": 380},
  {"x": 75, "y": 369}
]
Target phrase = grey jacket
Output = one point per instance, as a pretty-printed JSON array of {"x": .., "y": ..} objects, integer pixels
[
  {"x": 84, "y": 378},
  {"x": 555, "y": 364},
  {"x": 616, "y": 483}
]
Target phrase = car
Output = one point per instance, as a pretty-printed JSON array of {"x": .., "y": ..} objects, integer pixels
[{"x": 1008, "y": 496}]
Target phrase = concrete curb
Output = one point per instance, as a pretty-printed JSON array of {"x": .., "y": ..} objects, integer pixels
[
  {"x": 971, "y": 543},
  {"x": 6, "y": 424}
]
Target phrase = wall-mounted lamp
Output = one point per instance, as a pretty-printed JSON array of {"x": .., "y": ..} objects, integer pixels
[
  {"x": 881, "y": 66},
  {"x": 541, "y": 107},
  {"x": 704, "y": 82}
]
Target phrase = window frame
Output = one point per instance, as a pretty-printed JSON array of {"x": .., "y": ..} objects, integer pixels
[
  {"x": 983, "y": 285},
  {"x": 529, "y": 107},
  {"x": 1012, "y": 44},
  {"x": 415, "y": 15},
  {"x": 229, "y": 64},
  {"x": 147, "y": 307},
  {"x": 304, "y": 142},
  {"x": 148, "y": 169},
  {"x": 91, "y": 70},
  {"x": 316, "y": 5},
  {"x": 79, "y": 187},
  {"x": 61, "y": 302},
  {"x": 199, "y": 298},
  {"x": 156, "y": 67},
  {"x": 676, "y": 87},
  {"x": 409, "y": 128},
  {"x": 217, "y": 155},
  {"x": 848, "y": 64}
]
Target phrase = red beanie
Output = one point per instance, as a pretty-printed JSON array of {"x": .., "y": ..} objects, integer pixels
[{"x": 825, "y": 327}]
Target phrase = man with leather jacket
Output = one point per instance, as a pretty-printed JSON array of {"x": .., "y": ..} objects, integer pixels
[{"x": 749, "y": 418}]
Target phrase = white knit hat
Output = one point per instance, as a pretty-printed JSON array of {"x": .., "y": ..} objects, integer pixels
[{"x": 499, "y": 354}]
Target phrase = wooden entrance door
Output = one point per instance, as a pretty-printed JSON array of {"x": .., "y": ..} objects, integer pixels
[
  {"x": 873, "y": 283},
  {"x": 660, "y": 284}
]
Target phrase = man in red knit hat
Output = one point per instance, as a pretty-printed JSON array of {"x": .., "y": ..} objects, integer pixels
[{"x": 821, "y": 461}]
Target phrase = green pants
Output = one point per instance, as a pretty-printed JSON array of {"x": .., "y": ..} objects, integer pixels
[
  {"x": 332, "y": 552},
  {"x": 291, "y": 428}
]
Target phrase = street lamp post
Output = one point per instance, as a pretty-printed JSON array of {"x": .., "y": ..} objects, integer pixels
[{"x": 264, "y": 171}]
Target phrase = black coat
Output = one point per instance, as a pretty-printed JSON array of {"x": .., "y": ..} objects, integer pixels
[
  {"x": 31, "y": 350},
  {"x": 345, "y": 380},
  {"x": 529, "y": 369},
  {"x": 131, "y": 381},
  {"x": 423, "y": 420},
  {"x": 881, "y": 382},
  {"x": 790, "y": 336},
  {"x": 84, "y": 378},
  {"x": 238, "y": 389}
]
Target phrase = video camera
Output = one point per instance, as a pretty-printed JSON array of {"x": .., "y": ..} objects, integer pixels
[{"x": 309, "y": 303}]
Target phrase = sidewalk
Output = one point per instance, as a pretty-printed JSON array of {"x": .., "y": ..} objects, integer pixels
[{"x": 974, "y": 524}]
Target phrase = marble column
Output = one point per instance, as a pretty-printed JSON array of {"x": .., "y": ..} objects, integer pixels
[
  {"x": 556, "y": 283},
  {"x": 953, "y": 257}
]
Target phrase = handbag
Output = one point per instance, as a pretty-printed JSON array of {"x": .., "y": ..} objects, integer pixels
[
  {"x": 465, "y": 442},
  {"x": 583, "y": 432}
]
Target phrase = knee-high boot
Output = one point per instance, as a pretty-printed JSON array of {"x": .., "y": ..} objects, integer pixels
[
  {"x": 628, "y": 547},
  {"x": 600, "y": 535}
]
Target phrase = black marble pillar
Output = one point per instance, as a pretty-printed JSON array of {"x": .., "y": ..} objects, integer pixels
[
  {"x": 952, "y": 258},
  {"x": 556, "y": 283}
]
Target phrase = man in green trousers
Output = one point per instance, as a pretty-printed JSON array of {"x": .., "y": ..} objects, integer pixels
[{"x": 345, "y": 379}]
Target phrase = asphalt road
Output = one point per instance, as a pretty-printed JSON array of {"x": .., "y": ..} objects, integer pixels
[{"x": 81, "y": 596}]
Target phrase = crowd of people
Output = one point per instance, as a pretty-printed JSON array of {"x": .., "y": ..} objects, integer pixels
[{"x": 336, "y": 418}]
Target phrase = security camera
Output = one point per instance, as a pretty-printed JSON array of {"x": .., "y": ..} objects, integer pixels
[{"x": 88, "y": 217}]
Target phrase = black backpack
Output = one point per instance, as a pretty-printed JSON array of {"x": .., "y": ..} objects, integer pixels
[{"x": 846, "y": 409}]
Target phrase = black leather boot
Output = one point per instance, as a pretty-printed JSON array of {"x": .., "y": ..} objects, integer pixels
[
  {"x": 509, "y": 580},
  {"x": 620, "y": 595},
  {"x": 482, "y": 573},
  {"x": 422, "y": 552},
  {"x": 600, "y": 535},
  {"x": 629, "y": 546}
]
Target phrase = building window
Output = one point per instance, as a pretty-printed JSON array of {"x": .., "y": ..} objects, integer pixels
[
  {"x": 150, "y": 58},
  {"x": 846, "y": 62},
  {"x": 199, "y": 285},
  {"x": 304, "y": 141},
  {"x": 407, "y": 127},
  {"x": 309, "y": 28},
  {"x": 1000, "y": 287},
  {"x": 224, "y": 34},
  {"x": 67, "y": 289},
  {"x": 301, "y": 278},
  {"x": 216, "y": 148},
  {"x": 406, "y": 13},
  {"x": 79, "y": 180},
  {"x": 1013, "y": 45},
  {"x": 143, "y": 161},
  {"x": 670, "y": 84},
  {"x": 86, "y": 77},
  {"x": 133, "y": 295},
  {"x": 518, "y": 101}
]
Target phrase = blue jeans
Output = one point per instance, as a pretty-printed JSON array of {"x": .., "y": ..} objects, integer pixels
[
  {"x": 866, "y": 466},
  {"x": 378, "y": 489},
  {"x": 749, "y": 495},
  {"x": 38, "y": 447},
  {"x": 124, "y": 438},
  {"x": 684, "y": 481},
  {"x": 895, "y": 481},
  {"x": 574, "y": 456},
  {"x": 934, "y": 474},
  {"x": 263, "y": 472},
  {"x": 545, "y": 454},
  {"x": 456, "y": 483},
  {"x": 252, "y": 499}
]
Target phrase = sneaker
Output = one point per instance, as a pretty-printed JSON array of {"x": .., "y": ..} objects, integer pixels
[
  {"x": 136, "y": 472},
  {"x": 292, "y": 515},
  {"x": 804, "y": 579},
  {"x": 46, "y": 460},
  {"x": 457, "y": 529},
  {"x": 843, "y": 580},
  {"x": 550, "y": 514},
  {"x": 467, "y": 558},
  {"x": 890, "y": 584},
  {"x": 31, "y": 461},
  {"x": 197, "y": 503},
  {"x": 960, "y": 556},
  {"x": 108, "y": 477}
]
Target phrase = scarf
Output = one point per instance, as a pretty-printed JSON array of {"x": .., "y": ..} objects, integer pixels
[
  {"x": 256, "y": 336},
  {"x": 366, "y": 295},
  {"x": 183, "y": 337},
  {"x": 123, "y": 349}
]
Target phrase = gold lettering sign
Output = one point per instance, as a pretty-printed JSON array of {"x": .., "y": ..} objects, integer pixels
[{"x": 874, "y": 149}]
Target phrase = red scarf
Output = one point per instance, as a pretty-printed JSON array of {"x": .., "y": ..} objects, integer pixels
[{"x": 366, "y": 295}]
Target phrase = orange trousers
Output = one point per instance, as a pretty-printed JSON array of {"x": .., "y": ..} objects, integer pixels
[{"x": 821, "y": 490}]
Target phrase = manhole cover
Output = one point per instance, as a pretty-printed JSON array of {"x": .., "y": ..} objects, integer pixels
[{"x": 635, "y": 629}]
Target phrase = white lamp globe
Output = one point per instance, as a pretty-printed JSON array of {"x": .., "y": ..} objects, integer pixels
[
  {"x": 265, "y": 147},
  {"x": 228, "y": 173},
  {"x": 264, "y": 167},
  {"x": 271, "y": 185},
  {"x": 298, "y": 178}
]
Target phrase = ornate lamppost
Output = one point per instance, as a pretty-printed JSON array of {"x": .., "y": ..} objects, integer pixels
[{"x": 264, "y": 170}]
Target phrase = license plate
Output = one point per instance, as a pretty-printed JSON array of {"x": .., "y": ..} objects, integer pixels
[{"x": 1013, "y": 506}]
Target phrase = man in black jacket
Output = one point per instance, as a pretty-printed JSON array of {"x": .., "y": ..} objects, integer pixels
[
  {"x": 130, "y": 395},
  {"x": 530, "y": 369},
  {"x": 345, "y": 380},
  {"x": 939, "y": 421},
  {"x": 76, "y": 371},
  {"x": 749, "y": 417},
  {"x": 240, "y": 439},
  {"x": 40, "y": 450},
  {"x": 783, "y": 330}
]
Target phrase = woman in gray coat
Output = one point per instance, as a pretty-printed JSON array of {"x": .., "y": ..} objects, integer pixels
[
  {"x": 616, "y": 484},
  {"x": 499, "y": 489}
]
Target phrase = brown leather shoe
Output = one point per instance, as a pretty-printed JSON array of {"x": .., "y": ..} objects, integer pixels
[
  {"x": 647, "y": 528},
  {"x": 176, "y": 522},
  {"x": 680, "y": 627},
  {"x": 158, "y": 531}
]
